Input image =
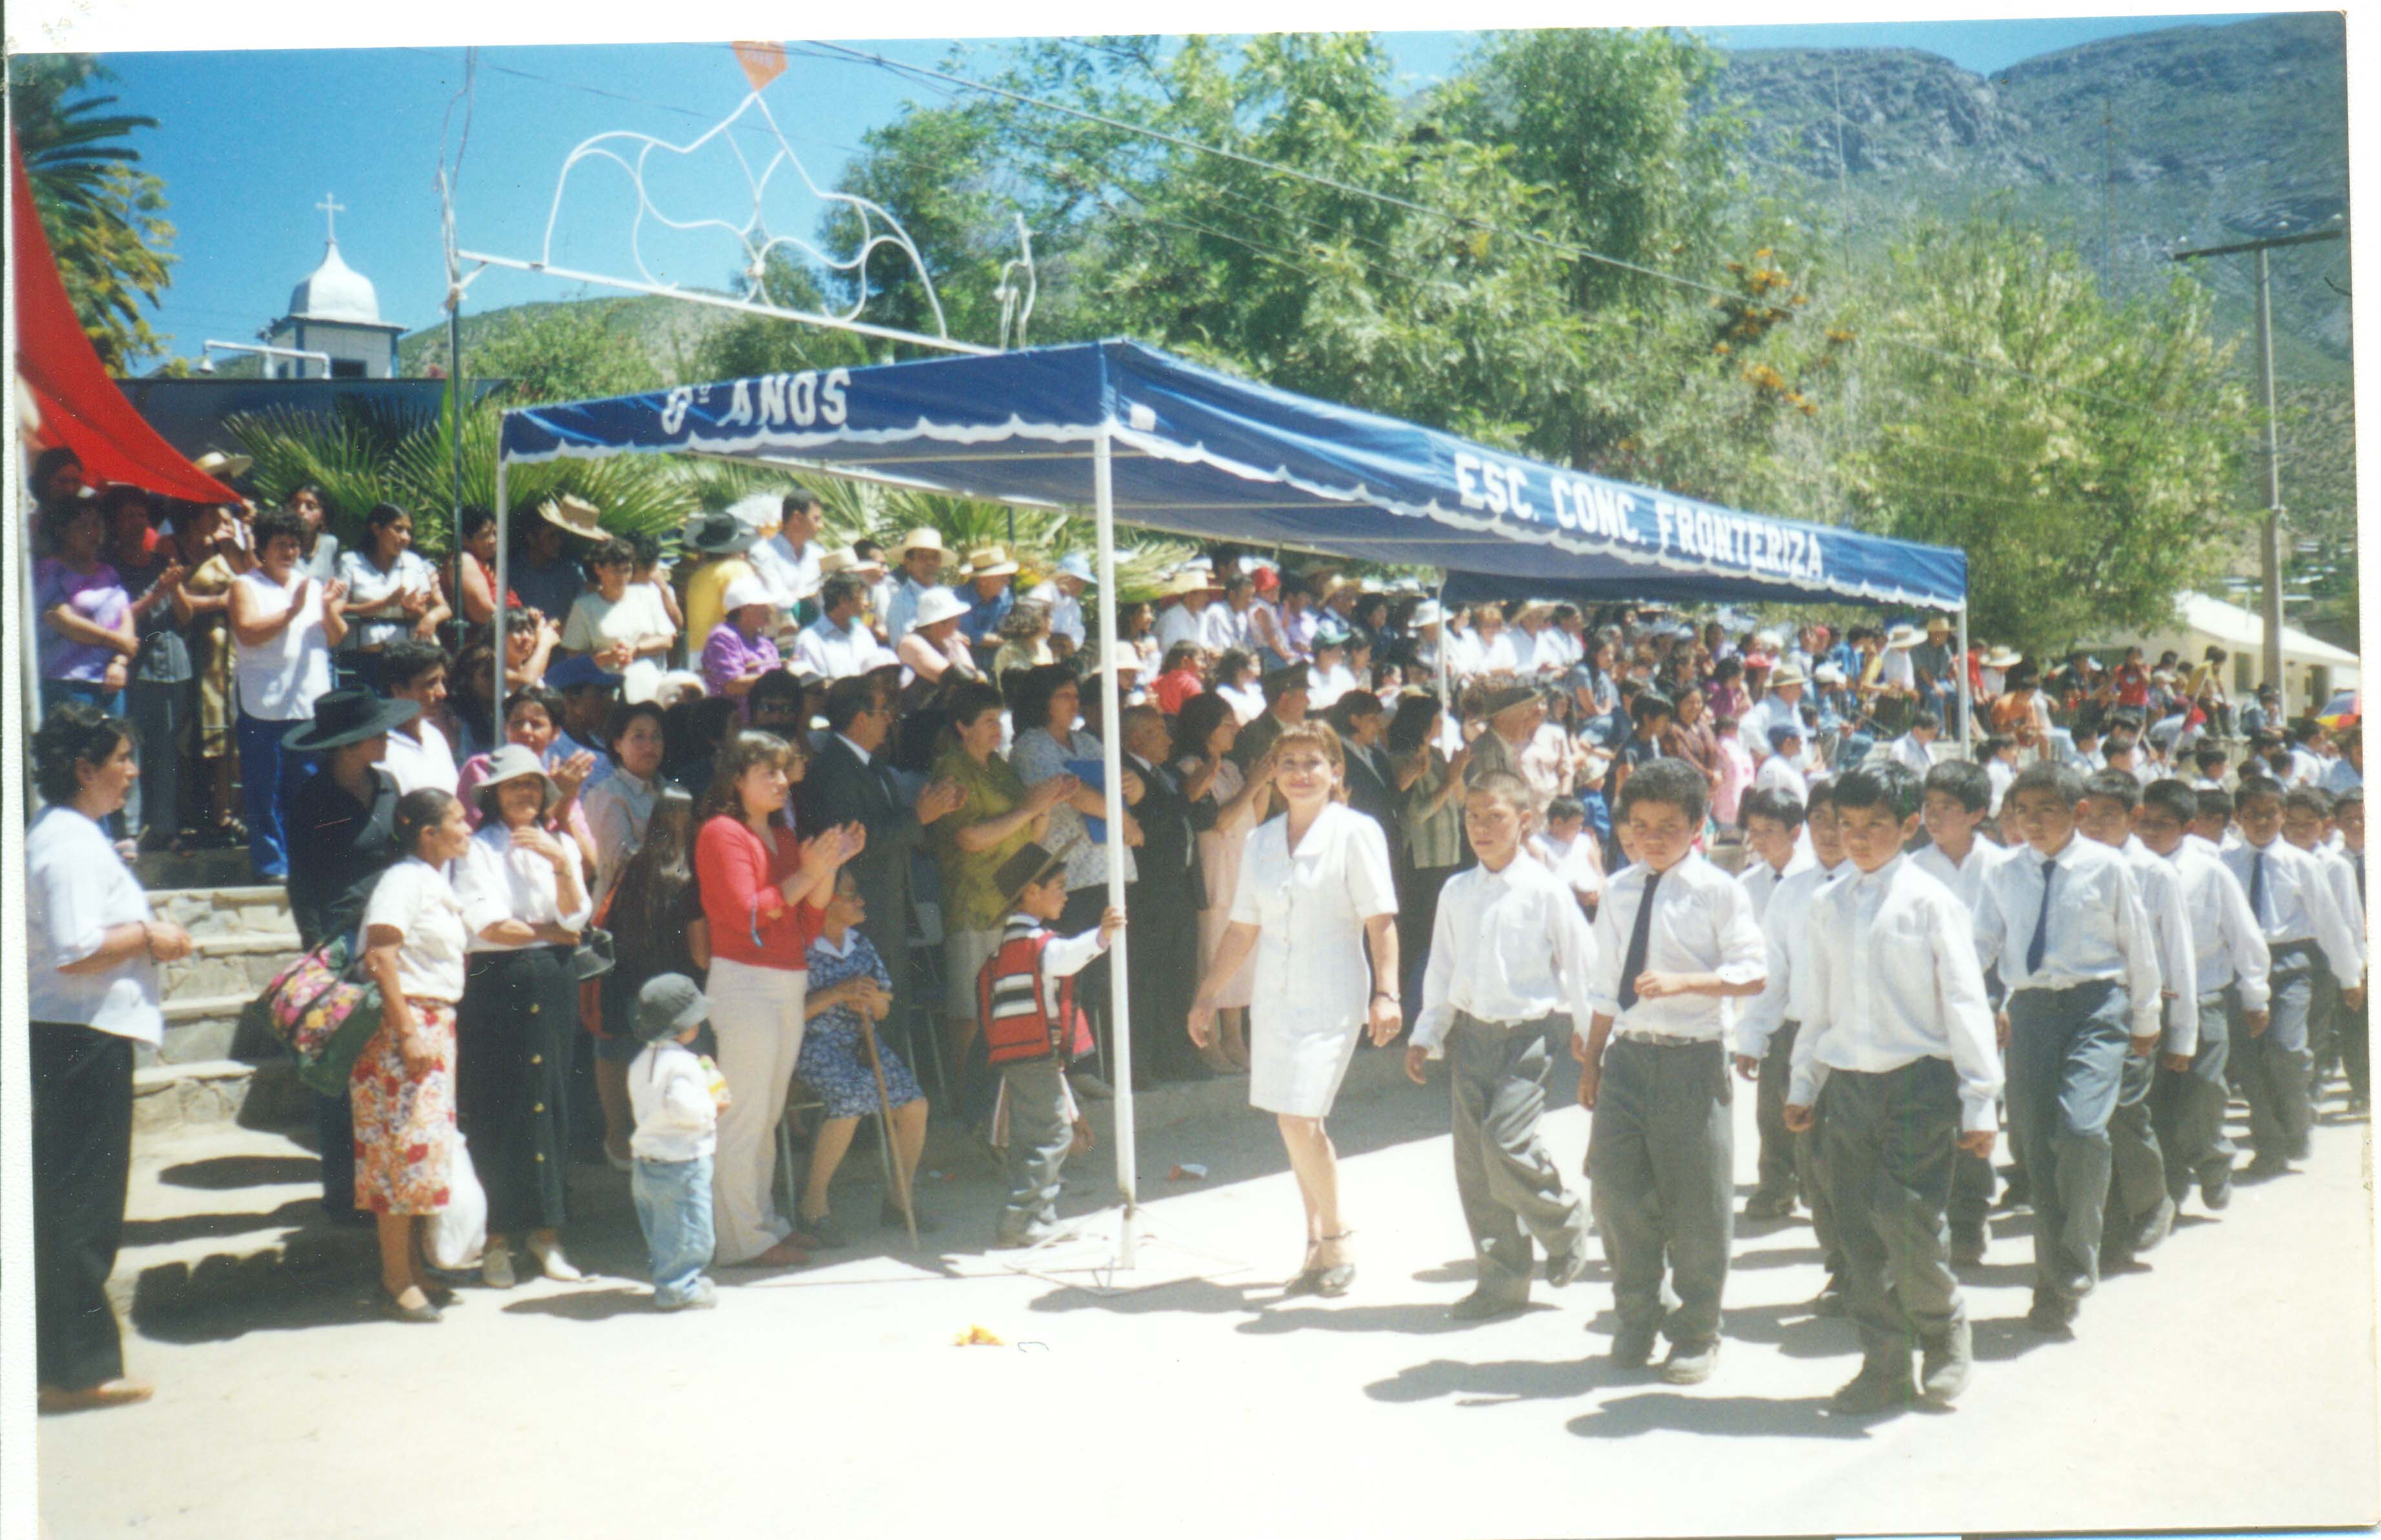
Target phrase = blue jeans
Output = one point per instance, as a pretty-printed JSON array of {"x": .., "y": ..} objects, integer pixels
[
  {"x": 673, "y": 1201},
  {"x": 269, "y": 776}
]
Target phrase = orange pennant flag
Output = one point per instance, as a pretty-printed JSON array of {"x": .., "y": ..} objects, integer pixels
[{"x": 763, "y": 62}]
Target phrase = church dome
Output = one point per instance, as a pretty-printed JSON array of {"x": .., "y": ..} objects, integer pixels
[{"x": 335, "y": 292}]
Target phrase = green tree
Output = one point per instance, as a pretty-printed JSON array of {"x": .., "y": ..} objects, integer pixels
[
  {"x": 569, "y": 352},
  {"x": 2088, "y": 465},
  {"x": 102, "y": 217}
]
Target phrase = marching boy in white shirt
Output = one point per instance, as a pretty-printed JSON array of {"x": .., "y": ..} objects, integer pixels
[
  {"x": 672, "y": 1092},
  {"x": 1895, "y": 1069},
  {"x": 2140, "y": 1211},
  {"x": 1675, "y": 942},
  {"x": 1509, "y": 959}
]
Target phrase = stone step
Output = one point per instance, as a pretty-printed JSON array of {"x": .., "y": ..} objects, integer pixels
[
  {"x": 198, "y": 1094},
  {"x": 201, "y": 1027},
  {"x": 225, "y": 1213},
  {"x": 160, "y": 869},
  {"x": 225, "y": 910},
  {"x": 239, "y": 961}
]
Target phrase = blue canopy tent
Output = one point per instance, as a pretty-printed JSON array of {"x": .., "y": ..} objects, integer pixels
[{"x": 1140, "y": 437}]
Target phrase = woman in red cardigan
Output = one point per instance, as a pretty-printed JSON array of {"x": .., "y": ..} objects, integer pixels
[{"x": 764, "y": 895}]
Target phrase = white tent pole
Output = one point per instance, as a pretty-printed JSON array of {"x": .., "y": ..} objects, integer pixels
[
  {"x": 1967, "y": 707},
  {"x": 504, "y": 578},
  {"x": 1112, "y": 749},
  {"x": 1439, "y": 652}
]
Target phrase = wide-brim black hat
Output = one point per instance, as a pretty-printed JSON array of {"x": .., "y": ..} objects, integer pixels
[
  {"x": 346, "y": 717},
  {"x": 1027, "y": 865}
]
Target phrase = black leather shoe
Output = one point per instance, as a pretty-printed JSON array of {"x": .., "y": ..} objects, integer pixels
[
  {"x": 2216, "y": 1192},
  {"x": 1830, "y": 1302},
  {"x": 2050, "y": 1313},
  {"x": 1969, "y": 1242},
  {"x": 1565, "y": 1268},
  {"x": 1633, "y": 1349}
]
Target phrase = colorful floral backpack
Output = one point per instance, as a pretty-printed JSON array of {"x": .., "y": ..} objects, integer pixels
[{"x": 324, "y": 1010}]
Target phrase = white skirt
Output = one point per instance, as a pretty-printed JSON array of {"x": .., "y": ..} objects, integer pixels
[{"x": 1295, "y": 1067}]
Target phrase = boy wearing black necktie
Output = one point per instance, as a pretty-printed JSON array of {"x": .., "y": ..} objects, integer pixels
[{"x": 1675, "y": 940}]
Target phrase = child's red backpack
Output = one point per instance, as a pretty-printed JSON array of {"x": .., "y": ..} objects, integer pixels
[{"x": 1009, "y": 1010}]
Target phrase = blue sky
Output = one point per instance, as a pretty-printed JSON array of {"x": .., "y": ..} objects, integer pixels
[{"x": 251, "y": 140}]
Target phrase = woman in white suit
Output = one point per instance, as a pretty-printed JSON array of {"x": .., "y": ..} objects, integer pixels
[{"x": 1314, "y": 897}]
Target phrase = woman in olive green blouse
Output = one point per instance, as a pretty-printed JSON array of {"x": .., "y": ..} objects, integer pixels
[
  {"x": 998, "y": 816},
  {"x": 1430, "y": 812}
]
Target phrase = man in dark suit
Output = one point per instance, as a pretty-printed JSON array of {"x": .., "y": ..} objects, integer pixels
[
  {"x": 1163, "y": 906},
  {"x": 849, "y": 781}
]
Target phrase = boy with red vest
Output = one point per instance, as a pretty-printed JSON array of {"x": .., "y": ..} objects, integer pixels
[{"x": 1032, "y": 1029}]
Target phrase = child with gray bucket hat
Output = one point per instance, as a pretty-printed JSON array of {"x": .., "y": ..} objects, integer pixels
[{"x": 677, "y": 1095}]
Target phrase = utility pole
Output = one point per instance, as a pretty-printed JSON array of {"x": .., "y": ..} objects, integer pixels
[{"x": 2269, "y": 540}]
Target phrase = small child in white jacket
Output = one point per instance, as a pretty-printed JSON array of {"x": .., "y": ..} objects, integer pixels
[{"x": 676, "y": 1095}]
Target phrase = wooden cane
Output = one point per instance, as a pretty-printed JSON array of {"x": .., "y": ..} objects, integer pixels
[{"x": 892, "y": 1150}]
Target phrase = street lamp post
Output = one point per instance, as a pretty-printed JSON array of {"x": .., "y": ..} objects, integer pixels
[{"x": 2269, "y": 540}]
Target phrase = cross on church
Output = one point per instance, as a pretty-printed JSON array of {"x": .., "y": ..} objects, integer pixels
[{"x": 332, "y": 209}]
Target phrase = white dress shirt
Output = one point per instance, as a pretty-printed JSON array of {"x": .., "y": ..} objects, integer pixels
[
  {"x": 1578, "y": 866},
  {"x": 798, "y": 566},
  {"x": 1780, "y": 774},
  {"x": 1465, "y": 656},
  {"x": 2342, "y": 873},
  {"x": 2299, "y": 904},
  {"x": 1761, "y": 880},
  {"x": 2177, "y": 957},
  {"x": 497, "y": 880},
  {"x": 901, "y": 611},
  {"x": 2307, "y": 767},
  {"x": 2000, "y": 773},
  {"x": 414, "y": 763},
  {"x": 2225, "y": 938},
  {"x": 1177, "y": 624},
  {"x": 414, "y": 899},
  {"x": 1702, "y": 923},
  {"x": 1066, "y": 611},
  {"x": 1325, "y": 687},
  {"x": 833, "y": 651},
  {"x": 1508, "y": 946},
  {"x": 1222, "y": 628},
  {"x": 2097, "y": 928},
  {"x": 1785, "y": 934},
  {"x": 1894, "y": 978},
  {"x": 1908, "y": 751},
  {"x": 1966, "y": 879},
  {"x": 77, "y": 888}
]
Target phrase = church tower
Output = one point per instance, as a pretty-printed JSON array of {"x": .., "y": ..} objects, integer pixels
[{"x": 334, "y": 310}]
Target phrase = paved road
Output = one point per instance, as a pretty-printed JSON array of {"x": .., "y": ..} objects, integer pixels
[{"x": 2229, "y": 1383}]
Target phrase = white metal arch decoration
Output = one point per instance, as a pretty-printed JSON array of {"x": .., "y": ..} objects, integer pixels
[{"x": 631, "y": 151}]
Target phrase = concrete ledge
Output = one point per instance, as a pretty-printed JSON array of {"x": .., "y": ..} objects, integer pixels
[{"x": 217, "y": 1091}]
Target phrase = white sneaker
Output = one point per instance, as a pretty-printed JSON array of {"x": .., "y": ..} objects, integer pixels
[
  {"x": 497, "y": 1269},
  {"x": 556, "y": 1265}
]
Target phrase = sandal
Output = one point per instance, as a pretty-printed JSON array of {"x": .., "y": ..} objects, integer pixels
[
  {"x": 1308, "y": 1274},
  {"x": 1332, "y": 1281}
]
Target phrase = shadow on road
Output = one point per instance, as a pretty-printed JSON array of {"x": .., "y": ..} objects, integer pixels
[
  {"x": 1792, "y": 1330},
  {"x": 1497, "y": 1383},
  {"x": 1728, "y": 1416},
  {"x": 189, "y": 1227},
  {"x": 599, "y": 1305},
  {"x": 222, "y": 1174}
]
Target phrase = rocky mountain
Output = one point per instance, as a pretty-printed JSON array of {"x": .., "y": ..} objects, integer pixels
[{"x": 2133, "y": 146}]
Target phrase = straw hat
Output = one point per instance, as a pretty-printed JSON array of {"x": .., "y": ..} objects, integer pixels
[
  {"x": 1786, "y": 675},
  {"x": 573, "y": 515},
  {"x": 936, "y": 605},
  {"x": 1902, "y": 637},
  {"x": 2003, "y": 658},
  {"x": 1495, "y": 700},
  {"x": 989, "y": 561},
  {"x": 222, "y": 466},
  {"x": 1428, "y": 612},
  {"x": 1187, "y": 581},
  {"x": 1938, "y": 625},
  {"x": 921, "y": 538}
]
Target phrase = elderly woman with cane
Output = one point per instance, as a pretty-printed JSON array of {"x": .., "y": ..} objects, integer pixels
[{"x": 1315, "y": 895}]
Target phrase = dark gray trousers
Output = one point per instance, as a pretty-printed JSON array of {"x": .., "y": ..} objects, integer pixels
[
  {"x": 1038, "y": 1137},
  {"x": 1974, "y": 1181},
  {"x": 1778, "y": 1174},
  {"x": 2066, "y": 1060},
  {"x": 1811, "y": 1171},
  {"x": 1496, "y": 1075},
  {"x": 2187, "y": 1107},
  {"x": 2276, "y": 1065},
  {"x": 2137, "y": 1178},
  {"x": 1888, "y": 1141},
  {"x": 1661, "y": 1163}
]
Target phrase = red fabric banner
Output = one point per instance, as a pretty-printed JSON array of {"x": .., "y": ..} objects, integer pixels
[{"x": 80, "y": 404}]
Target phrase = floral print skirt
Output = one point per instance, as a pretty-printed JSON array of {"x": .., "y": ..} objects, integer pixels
[{"x": 405, "y": 1118}]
